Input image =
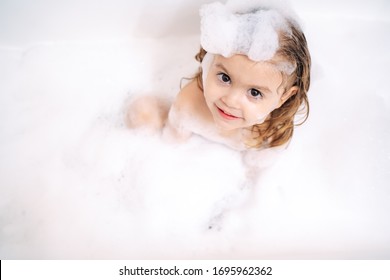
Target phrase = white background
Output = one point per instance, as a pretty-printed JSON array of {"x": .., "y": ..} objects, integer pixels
[{"x": 76, "y": 184}]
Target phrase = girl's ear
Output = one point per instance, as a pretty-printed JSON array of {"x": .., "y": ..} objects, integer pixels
[{"x": 287, "y": 94}]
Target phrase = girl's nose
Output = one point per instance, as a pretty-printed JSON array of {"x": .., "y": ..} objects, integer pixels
[{"x": 232, "y": 99}]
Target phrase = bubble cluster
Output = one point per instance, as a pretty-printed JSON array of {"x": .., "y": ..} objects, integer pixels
[{"x": 243, "y": 27}]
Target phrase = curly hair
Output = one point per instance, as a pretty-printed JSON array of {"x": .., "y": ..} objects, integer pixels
[{"x": 279, "y": 127}]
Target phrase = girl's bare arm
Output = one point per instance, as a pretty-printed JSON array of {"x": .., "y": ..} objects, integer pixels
[{"x": 181, "y": 111}]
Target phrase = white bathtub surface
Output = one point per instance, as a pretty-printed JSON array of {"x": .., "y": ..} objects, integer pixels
[{"x": 75, "y": 183}]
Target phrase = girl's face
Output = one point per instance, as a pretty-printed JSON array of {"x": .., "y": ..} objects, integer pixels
[{"x": 241, "y": 93}]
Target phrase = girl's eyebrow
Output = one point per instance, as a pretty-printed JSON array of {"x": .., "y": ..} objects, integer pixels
[
  {"x": 263, "y": 89},
  {"x": 220, "y": 65}
]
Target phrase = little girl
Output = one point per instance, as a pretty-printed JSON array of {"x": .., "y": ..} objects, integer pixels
[{"x": 254, "y": 78}]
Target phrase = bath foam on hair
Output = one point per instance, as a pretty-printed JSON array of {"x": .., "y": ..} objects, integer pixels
[{"x": 244, "y": 27}]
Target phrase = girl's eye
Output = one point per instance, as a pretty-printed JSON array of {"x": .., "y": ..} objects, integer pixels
[
  {"x": 255, "y": 93},
  {"x": 224, "y": 78}
]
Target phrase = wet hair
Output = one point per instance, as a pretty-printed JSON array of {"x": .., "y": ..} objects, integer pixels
[{"x": 278, "y": 128}]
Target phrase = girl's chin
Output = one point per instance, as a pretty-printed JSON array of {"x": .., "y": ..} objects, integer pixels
[{"x": 226, "y": 125}]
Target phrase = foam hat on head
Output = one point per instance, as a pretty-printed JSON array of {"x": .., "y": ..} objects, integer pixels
[{"x": 242, "y": 27}]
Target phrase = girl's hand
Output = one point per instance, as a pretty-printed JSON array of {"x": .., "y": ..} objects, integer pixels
[{"x": 173, "y": 130}]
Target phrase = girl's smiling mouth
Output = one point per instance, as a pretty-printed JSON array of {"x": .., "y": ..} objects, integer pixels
[{"x": 226, "y": 115}]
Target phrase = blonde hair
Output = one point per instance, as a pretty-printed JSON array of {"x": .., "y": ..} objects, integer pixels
[{"x": 279, "y": 127}]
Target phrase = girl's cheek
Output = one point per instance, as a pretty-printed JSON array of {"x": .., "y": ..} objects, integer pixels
[
  {"x": 261, "y": 118},
  {"x": 209, "y": 90},
  {"x": 260, "y": 114},
  {"x": 215, "y": 93}
]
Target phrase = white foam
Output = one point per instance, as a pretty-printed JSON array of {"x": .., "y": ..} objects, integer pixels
[
  {"x": 206, "y": 64},
  {"x": 243, "y": 27},
  {"x": 75, "y": 183}
]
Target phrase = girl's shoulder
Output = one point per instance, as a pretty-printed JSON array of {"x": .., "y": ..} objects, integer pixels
[
  {"x": 191, "y": 102},
  {"x": 189, "y": 95}
]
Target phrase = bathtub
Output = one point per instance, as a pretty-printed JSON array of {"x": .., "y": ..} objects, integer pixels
[{"x": 76, "y": 183}]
